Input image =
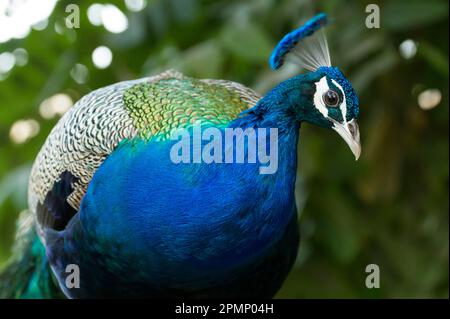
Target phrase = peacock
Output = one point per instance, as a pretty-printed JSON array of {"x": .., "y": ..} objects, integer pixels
[{"x": 123, "y": 196}]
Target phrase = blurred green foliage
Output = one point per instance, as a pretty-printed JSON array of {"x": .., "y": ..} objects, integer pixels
[{"x": 390, "y": 208}]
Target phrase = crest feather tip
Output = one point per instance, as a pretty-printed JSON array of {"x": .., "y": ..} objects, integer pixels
[{"x": 307, "y": 46}]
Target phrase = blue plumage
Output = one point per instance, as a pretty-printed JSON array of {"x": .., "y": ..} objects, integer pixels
[
  {"x": 156, "y": 228},
  {"x": 191, "y": 227}
]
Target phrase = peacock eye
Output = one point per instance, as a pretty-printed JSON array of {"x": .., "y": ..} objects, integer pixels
[{"x": 331, "y": 98}]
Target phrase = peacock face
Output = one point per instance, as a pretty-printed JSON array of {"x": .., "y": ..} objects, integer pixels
[
  {"x": 331, "y": 100},
  {"x": 332, "y": 103}
]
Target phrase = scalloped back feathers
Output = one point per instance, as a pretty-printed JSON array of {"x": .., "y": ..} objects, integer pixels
[{"x": 97, "y": 123}]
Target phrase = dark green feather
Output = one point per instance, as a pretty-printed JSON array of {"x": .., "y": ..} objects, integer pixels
[{"x": 27, "y": 275}]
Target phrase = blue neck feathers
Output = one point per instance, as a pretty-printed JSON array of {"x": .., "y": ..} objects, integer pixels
[{"x": 281, "y": 107}]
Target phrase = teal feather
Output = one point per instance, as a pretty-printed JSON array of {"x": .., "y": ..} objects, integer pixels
[{"x": 28, "y": 274}]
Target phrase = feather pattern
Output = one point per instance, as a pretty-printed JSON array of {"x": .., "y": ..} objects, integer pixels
[{"x": 93, "y": 128}]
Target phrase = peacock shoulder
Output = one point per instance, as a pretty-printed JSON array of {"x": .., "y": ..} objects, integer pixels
[
  {"x": 99, "y": 121},
  {"x": 157, "y": 108}
]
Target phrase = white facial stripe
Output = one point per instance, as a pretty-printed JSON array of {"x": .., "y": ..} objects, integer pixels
[
  {"x": 321, "y": 88},
  {"x": 343, "y": 105}
]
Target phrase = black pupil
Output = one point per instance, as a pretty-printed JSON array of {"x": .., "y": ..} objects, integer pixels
[{"x": 331, "y": 98}]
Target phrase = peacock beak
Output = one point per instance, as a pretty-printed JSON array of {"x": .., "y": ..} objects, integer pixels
[{"x": 349, "y": 131}]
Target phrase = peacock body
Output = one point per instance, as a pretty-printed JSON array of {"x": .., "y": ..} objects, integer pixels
[{"x": 105, "y": 194}]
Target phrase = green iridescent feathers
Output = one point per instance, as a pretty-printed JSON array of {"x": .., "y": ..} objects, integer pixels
[
  {"x": 28, "y": 275},
  {"x": 159, "y": 107}
]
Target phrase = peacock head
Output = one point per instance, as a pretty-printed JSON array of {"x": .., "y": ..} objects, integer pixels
[{"x": 324, "y": 96}]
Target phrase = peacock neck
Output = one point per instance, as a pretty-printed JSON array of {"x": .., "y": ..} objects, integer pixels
[
  {"x": 276, "y": 111},
  {"x": 273, "y": 111}
]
